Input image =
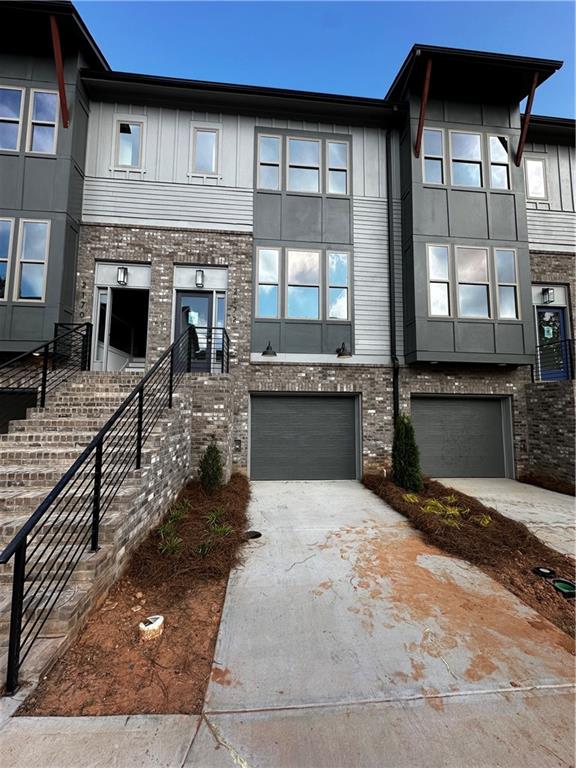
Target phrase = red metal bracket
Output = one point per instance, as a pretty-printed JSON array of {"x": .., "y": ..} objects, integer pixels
[
  {"x": 526, "y": 120},
  {"x": 423, "y": 107},
  {"x": 59, "y": 71}
]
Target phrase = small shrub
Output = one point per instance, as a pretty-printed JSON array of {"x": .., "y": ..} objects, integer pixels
[
  {"x": 221, "y": 529},
  {"x": 204, "y": 548},
  {"x": 211, "y": 472},
  {"x": 405, "y": 457},
  {"x": 170, "y": 542},
  {"x": 213, "y": 517}
]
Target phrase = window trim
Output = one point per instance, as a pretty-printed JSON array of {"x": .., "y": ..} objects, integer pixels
[
  {"x": 31, "y": 122},
  {"x": 348, "y": 318},
  {"x": 542, "y": 160},
  {"x": 116, "y": 166},
  {"x": 335, "y": 168},
  {"x": 20, "y": 261},
  {"x": 498, "y": 163},
  {"x": 318, "y": 167},
  {"x": 287, "y": 284},
  {"x": 441, "y": 157},
  {"x": 480, "y": 162},
  {"x": 259, "y": 163},
  {"x": 448, "y": 281},
  {"x": 498, "y": 283},
  {"x": 196, "y": 128},
  {"x": 278, "y": 315},
  {"x": 20, "y": 116},
  {"x": 487, "y": 283},
  {"x": 9, "y": 257}
]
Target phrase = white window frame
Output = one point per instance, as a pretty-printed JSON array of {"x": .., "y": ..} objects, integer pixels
[
  {"x": 480, "y": 162},
  {"x": 487, "y": 283},
  {"x": 277, "y": 284},
  {"x": 300, "y": 165},
  {"x": 499, "y": 283},
  {"x": 278, "y": 165},
  {"x": 447, "y": 282},
  {"x": 335, "y": 285},
  {"x": 140, "y": 120},
  {"x": 336, "y": 168},
  {"x": 287, "y": 284},
  {"x": 542, "y": 160},
  {"x": 20, "y": 260},
  {"x": 9, "y": 256},
  {"x": 498, "y": 163},
  {"x": 11, "y": 120},
  {"x": 195, "y": 128},
  {"x": 29, "y": 149},
  {"x": 441, "y": 157}
]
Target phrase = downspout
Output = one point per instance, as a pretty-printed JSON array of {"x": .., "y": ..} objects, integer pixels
[{"x": 392, "y": 279}]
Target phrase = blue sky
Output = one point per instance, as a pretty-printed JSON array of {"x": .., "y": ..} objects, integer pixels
[{"x": 337, "y": 47}]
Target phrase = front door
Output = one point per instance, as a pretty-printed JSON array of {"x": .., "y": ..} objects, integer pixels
[
  {"x": 194, "y": 308},
  {"x": 553, "y": 360}
]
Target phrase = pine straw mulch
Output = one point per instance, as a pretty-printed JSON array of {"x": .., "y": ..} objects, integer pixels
[
  {"x": 108, "y": 670},
  {"x": 504, "y": 549},
  {"x": 550, "y": 482}
]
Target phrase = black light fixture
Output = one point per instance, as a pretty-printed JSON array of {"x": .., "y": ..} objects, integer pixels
[
  {"x": 122, "y": 276},
  {"x": 269, "y": 352},
  {"x": 343, "y": 351},
  {"x": 199, "y": 278},
  {"x": 548, "y": 295}
]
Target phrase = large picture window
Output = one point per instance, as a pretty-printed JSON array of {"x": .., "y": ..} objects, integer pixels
[
  {"x": 303, "y": 165},
  {"x": 32, "y": 258},
  {"x": 507, "y": 283},
  {"x": 303, "y": 285},
  {"x": 43, "y": 123},
  {"x": 11, "y": 100},
  {"x": 6, "y": 229},
  {"x": 439, "y": 280},
  {"x": 466, "y": 154},
  {"x": 338, "y": 285},
  {"x": 268, "y": 281},
  {"x": 473, "y": 282}
]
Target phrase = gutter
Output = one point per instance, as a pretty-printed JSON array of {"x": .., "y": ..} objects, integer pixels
[{"x": 392, "y": 280}]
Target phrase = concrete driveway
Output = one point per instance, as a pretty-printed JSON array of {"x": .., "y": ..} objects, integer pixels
[
  {"x": 346, "y": 641},
  {"x": 551, "y": 516}
]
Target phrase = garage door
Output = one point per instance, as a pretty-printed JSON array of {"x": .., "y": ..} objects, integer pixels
[
  {"x": 303, "y": 438},
  {"x": 463, "y": 437}
]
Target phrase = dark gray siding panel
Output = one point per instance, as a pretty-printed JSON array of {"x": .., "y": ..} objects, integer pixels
[
  {"x": 463, "y": 437},
  {"x": 303, "y": 437}
]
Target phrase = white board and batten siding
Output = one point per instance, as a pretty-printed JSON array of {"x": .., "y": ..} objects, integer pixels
[{"x": 552, "y": 222}]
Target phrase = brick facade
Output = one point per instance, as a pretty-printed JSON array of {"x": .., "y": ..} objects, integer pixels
[{"x": 559, "y": 269}]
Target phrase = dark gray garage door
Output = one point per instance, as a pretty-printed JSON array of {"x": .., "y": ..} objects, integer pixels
[
  {"x": 463, "y": 437},
  {"x": 303, "y": 438}
]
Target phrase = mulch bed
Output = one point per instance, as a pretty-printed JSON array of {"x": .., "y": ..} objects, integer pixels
[
  {"x": 108, "y": 670},
  {"x": 503, "y": 548},
  {"x": 549, "y": 482}
]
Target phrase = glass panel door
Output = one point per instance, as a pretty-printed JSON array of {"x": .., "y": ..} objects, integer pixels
[
  {"x": 552, "y": 345},
  {"x": 194, "y": 309}
]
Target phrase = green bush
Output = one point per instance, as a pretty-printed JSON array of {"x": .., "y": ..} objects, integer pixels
[
  {"x": 405, "y": 457},
  {"x": 211, "y": 472}
]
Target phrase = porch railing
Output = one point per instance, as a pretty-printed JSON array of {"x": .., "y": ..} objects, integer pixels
[{"x": 554, "y": 361}]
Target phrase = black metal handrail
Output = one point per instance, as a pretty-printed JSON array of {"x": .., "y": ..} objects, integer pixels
[
  {"x": 554, "y": 361},
  {"x": 68, "y": 521},
  {"x": 33, "y": 374}
]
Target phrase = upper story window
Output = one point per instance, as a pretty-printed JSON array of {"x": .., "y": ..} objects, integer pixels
[
  {"x": 303, "y": 284},
  {"x": 11, "y": 100},
  {"x": 32, "y": 258},
  {"x": 507, "y": 283},
  {"x": 267, "y": 304},
  {"x": 535, "y": 172},
  {"x": 466, "y": 153},
  {"x": 205, "y": 151},
  {"x": 129, "y": 144},
  {"x": 433, "y": 157},
  {"x": 337, "y": 167},
  {"x": 473, "y": 282},
  {"x": 6, "y": 228},
  {"x": 439, "y": 280},
  {"x": 338, "y": 285},
  {"x": 303, "y": 165},
  {"x": 43, "y": 124},
  {"x": 499, "y": 170},
  {"x": 269, "y": 162}
]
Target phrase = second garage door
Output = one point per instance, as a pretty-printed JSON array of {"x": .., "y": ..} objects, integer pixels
[
  {"x": 463, "y": 437},
  {"x": 303, "y": 437}
]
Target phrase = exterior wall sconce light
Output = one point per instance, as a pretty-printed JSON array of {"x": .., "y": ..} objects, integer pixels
[
  {"x": 199, "y": 278},
  {"x": 548, "y": 295},
  {"x": 343, "y": 351},
  {"x": 122, "y": 276},
  {"x": 269, "y": 352}
]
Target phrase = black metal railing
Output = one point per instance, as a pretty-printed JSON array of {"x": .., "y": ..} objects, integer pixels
[
  {"x": 26, "y": 379},
  {"x": 554, "y": 361},
  {"x": 50, "y": 544}
]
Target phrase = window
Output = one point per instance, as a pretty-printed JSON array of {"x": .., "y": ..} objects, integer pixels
[
  {"x": 5, "y": 251},
  {"x": 269, "y": 151},
  {"x": 535, "y": 178},
  {"x": 43, "y": 122},
  {"x": 499, "y": 173},
  {"x": 439, "y": 280},
  {"x": 268, "y": 280},
  {"x": 303, "y": 165},
  {"x": 205, "y": 151},
  {"x": 506, "y": 277},
  {"x": 433, "y": 156},
  {"x": 32, "y": 258},
  {"x": 473, "y": 282},
  {"x": 466, "y": 152},
  {"x": 129, "y": 147},
  {"x": 338, "y": 281},
  {"x": 337, "y": 167},
  {"x": 10, "y": 117},
  {"x": 303, "y": 279}
]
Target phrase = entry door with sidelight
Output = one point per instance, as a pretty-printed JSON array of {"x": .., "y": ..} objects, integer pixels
[
  {"x": 195, "y": 309},
  {"x": 553, "y": 358}
]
